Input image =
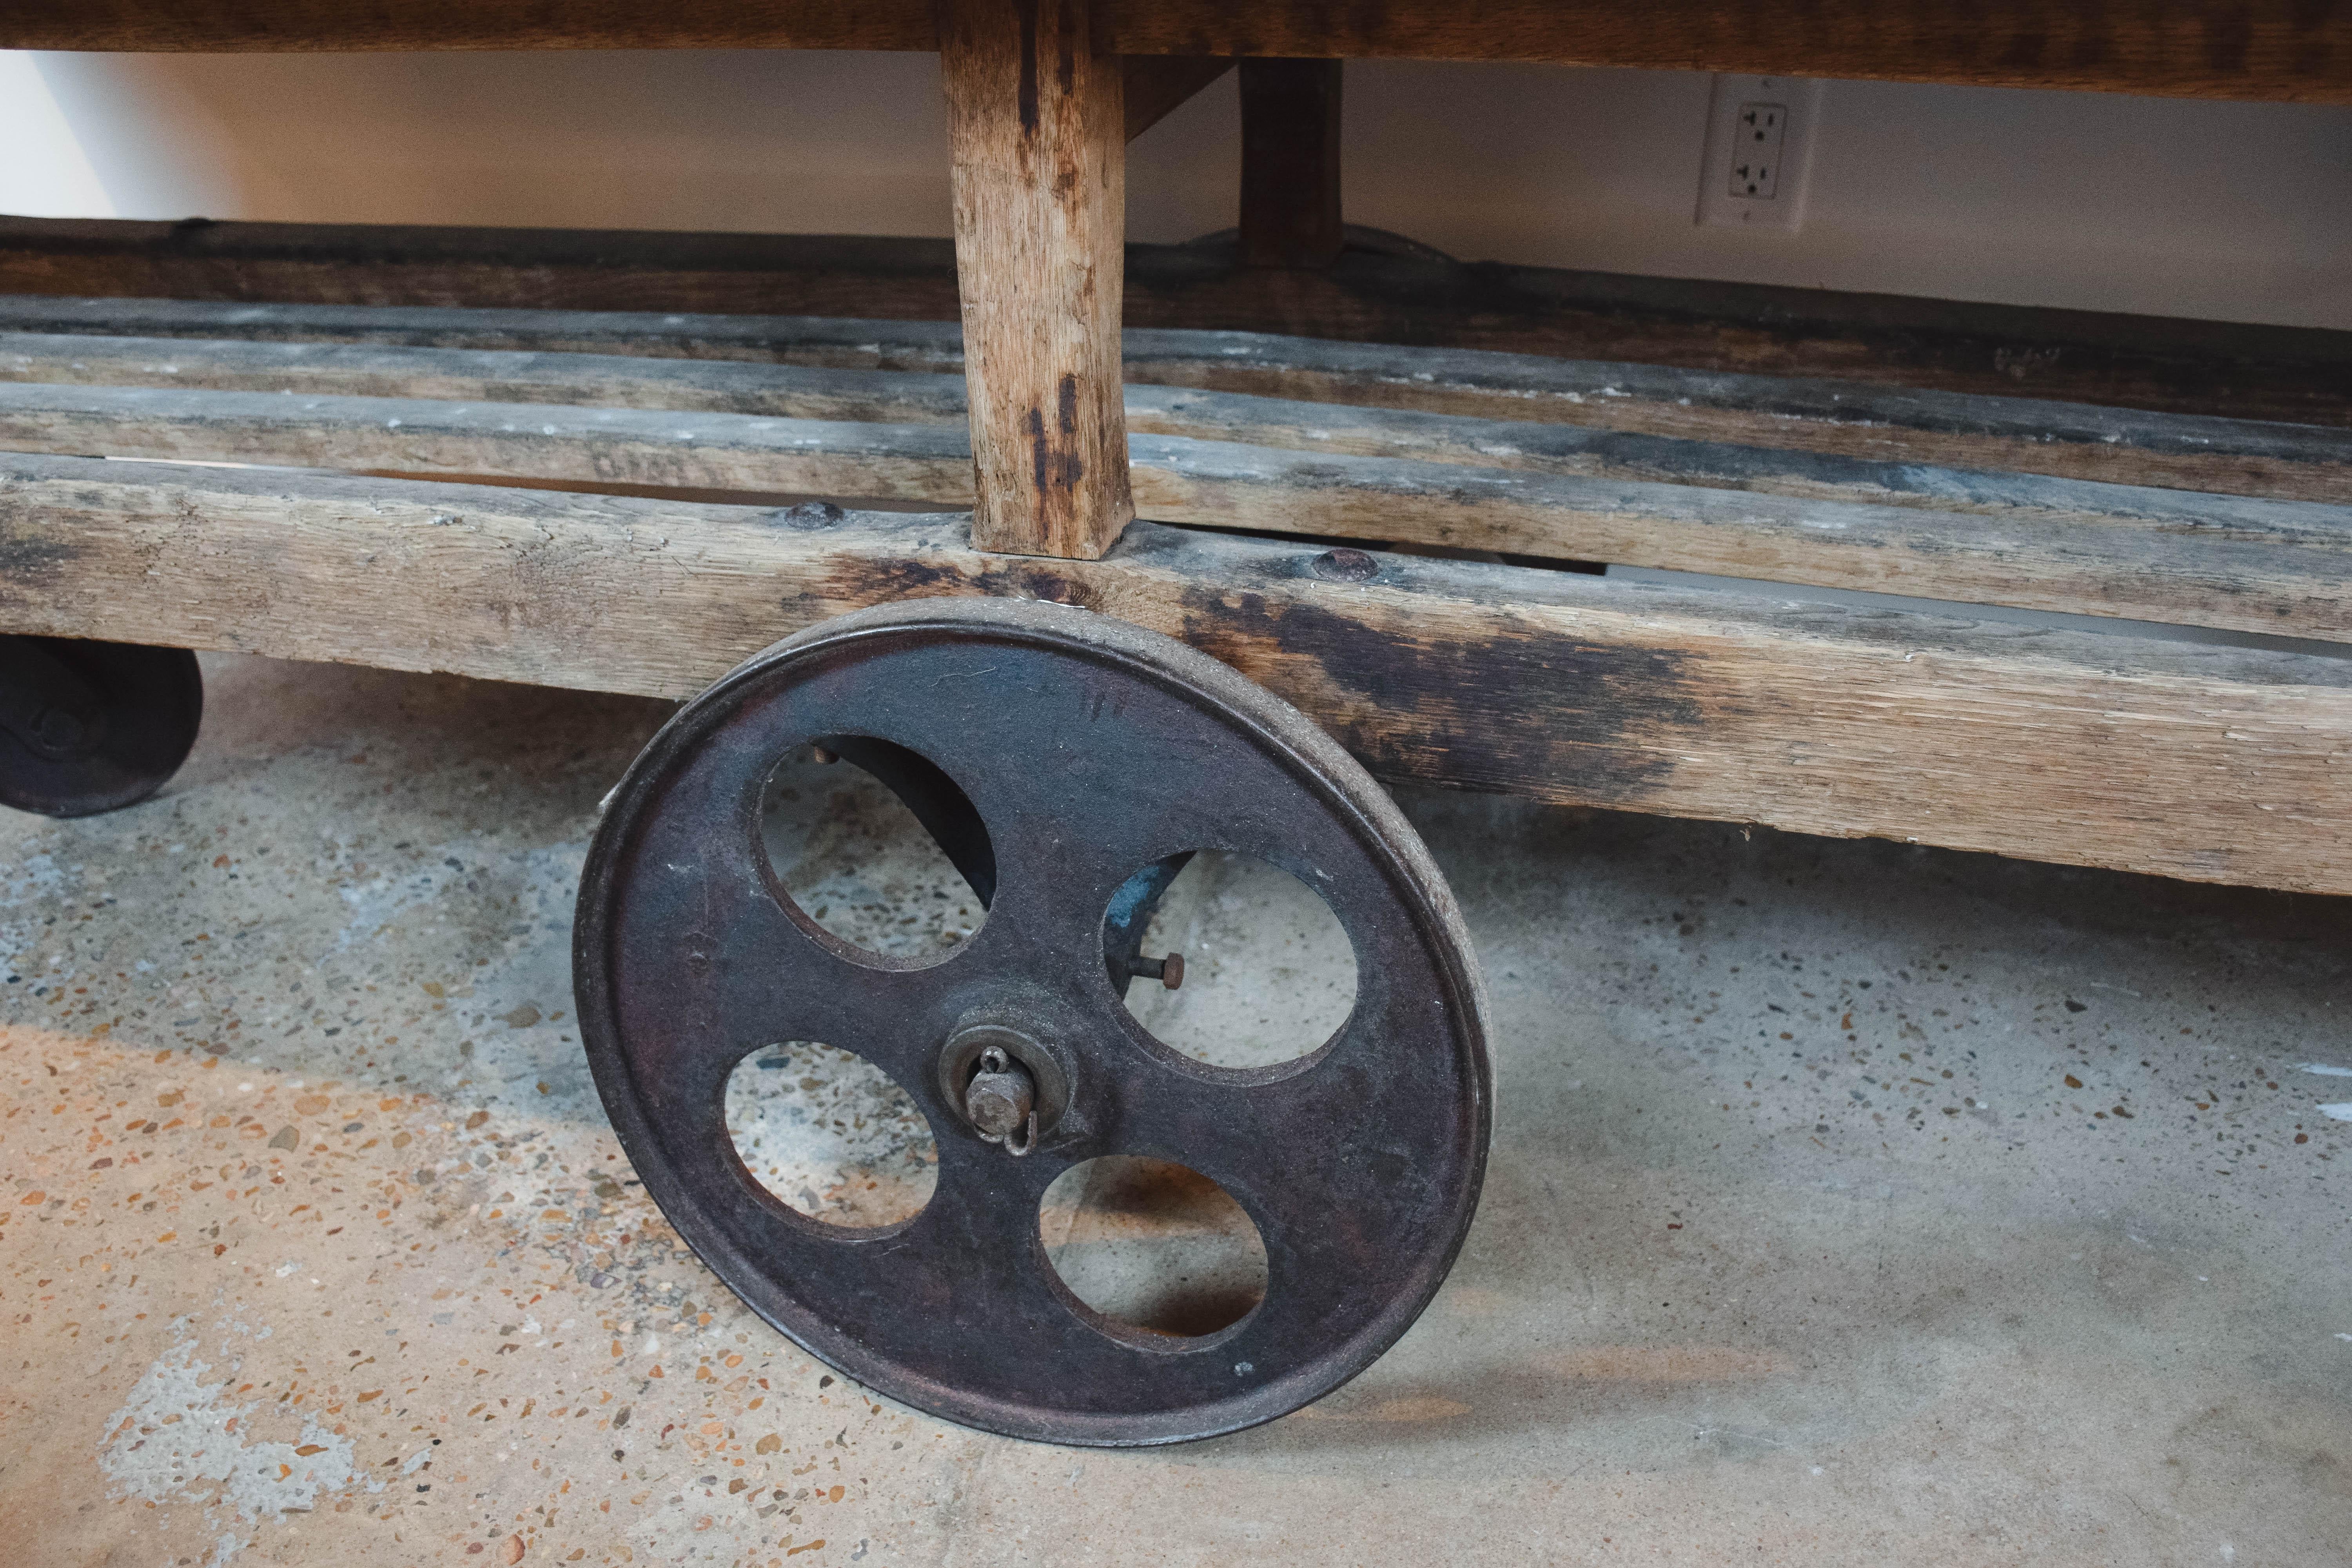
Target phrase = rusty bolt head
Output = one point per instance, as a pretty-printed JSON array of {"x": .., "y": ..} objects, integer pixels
[
  {"x": 809, "y": 514},
  {"x": 1000, "y": 1096},
  {"x": 1344, "y": 565}
]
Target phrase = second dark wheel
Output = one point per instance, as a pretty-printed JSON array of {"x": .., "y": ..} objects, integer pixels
[
  {"x": 1067, "y": 763},
  {"x": 86, "y": 727}
]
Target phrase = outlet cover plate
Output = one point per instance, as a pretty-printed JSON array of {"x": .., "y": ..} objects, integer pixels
[{"x": 1759, "y": 151}]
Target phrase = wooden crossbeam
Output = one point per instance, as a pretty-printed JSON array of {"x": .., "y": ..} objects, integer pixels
[
  {"x": 2209, "y": 764},
  {"x": 2294, "y": 50},
  {"x": 2278, "y": 49},
  {"x": 2266, "y": 567}
]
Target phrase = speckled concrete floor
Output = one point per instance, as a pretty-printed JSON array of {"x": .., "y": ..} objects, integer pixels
[{"x": 1850, "y": 1204}]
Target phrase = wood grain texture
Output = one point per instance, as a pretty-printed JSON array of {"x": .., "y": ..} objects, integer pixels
[
  {"x": 821, "y": 391},
  {"x": 1158, "y": 85},
  {"x": 813, "y": 391},
  {"x": 288, "y": 26},
  {"x": 1290, "y": 164},
  {"x": 2268, "y": 567},
  {"x": 2133, "y": 362},
  {"x": 2298, "y": 50},
  {"x": 2290, "y": 50},
  {"x": 2214, "y": 764},
  {"x": 2029, "y": 435},
  {"x": 1036, "y": 129},
  {"x": 1890, "y": 425}
]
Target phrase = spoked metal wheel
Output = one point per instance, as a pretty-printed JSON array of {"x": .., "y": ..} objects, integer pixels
[
  {"x": 1059, "y": 757},
  {"x": 86, "y": 727}
]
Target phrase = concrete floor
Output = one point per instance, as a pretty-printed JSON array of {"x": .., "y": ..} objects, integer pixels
[{"x": 1850, "y": 1204}]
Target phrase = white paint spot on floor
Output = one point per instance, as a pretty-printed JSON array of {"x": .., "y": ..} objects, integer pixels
[
  {"x": 2324, "y": 1070},
  {"x": 176, "y": 1439},
  {"x": 2340, "y": 1111}
]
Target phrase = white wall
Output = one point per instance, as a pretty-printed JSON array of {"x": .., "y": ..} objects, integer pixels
[{"x": 2230, "y": 211}]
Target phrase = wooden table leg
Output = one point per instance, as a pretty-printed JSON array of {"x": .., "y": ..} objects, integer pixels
[
  {"x": 1290, "y": 164},
  {"x": 1037, "y": 121}
]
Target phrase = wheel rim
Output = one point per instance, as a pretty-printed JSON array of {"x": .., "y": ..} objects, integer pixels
[{"x": 1090, "y": 750}]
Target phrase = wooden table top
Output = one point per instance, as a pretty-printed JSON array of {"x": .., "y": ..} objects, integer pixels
[{"x": 2274, "y": 50}]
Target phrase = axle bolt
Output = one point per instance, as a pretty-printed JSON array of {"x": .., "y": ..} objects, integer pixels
[{"x": 1001, "y": 1102}]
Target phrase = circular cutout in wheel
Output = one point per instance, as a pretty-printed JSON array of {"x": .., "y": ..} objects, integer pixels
[
  {"x": 86, "y": 727},
  {"x": 1089, "y": 756}
]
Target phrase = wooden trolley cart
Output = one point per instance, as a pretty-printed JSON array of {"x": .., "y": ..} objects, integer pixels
[{"x": 1376, "y": 480}]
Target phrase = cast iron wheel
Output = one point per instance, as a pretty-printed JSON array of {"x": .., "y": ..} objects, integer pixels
[
  {"x": 1091, "y": 753},
  {"x": 86, "y": 727}
]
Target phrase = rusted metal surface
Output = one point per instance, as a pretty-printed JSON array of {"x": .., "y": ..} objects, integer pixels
[
  {"x": 88, "y": 726},
  {"x": 1090, "y": 751}
]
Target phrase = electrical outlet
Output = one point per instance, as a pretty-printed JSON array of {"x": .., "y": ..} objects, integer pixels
[{"x": 1759, "y": 151}]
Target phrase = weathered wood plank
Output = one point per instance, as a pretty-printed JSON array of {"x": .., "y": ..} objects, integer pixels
[
  {"x": 1886, "y": 423},
  {"x": 2275, "y": 49},
  {"x": 623, "y": 446},
  {"x": 1036, "y": 133},
  {"x": 289, "y": 26},
  {"x": 2215, "y": 764},
  {"x": 1947, "y": 430},
  {"x": 1290, "y": 164},
  {"x": 2262, "y": 49},
  {"x": 2268, "y": 567},
  {"x": 2130, "y": 362},
  {"x": 490, "y": 375},
  {"x": 824, "y": 393}
]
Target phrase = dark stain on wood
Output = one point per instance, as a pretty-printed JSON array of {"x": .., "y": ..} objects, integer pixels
[
  {"x": 1465, "y": 711},
  {"x": 1028, "y": 92},
  {"x": 1056, "y": 467},
  {"x": 1066, "y": 49},
  {"x": 1517, "y": 711},
  {"x": 2230, "y": 37},
  {"x": 33, "y": 556}
]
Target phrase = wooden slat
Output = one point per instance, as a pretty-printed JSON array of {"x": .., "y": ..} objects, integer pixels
[
  {"x": 1888, "y": 423},
  {"x": 2263, "y": 49},
  {"x": 2132, "y": 362},
  {"x": 849, "y": 343},
  {"x": 2273, "y": 568},
  {"x": 1947, "y": 429},
  {"x": 2215, "y": 764},
  {"x": 369, "y": 370},
  {"x": 2274, "y": 50},
  {"x": 622, "y": 446},
  {"x": 1038, "y": 146},
  {"x": 823, "y": 392}
]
